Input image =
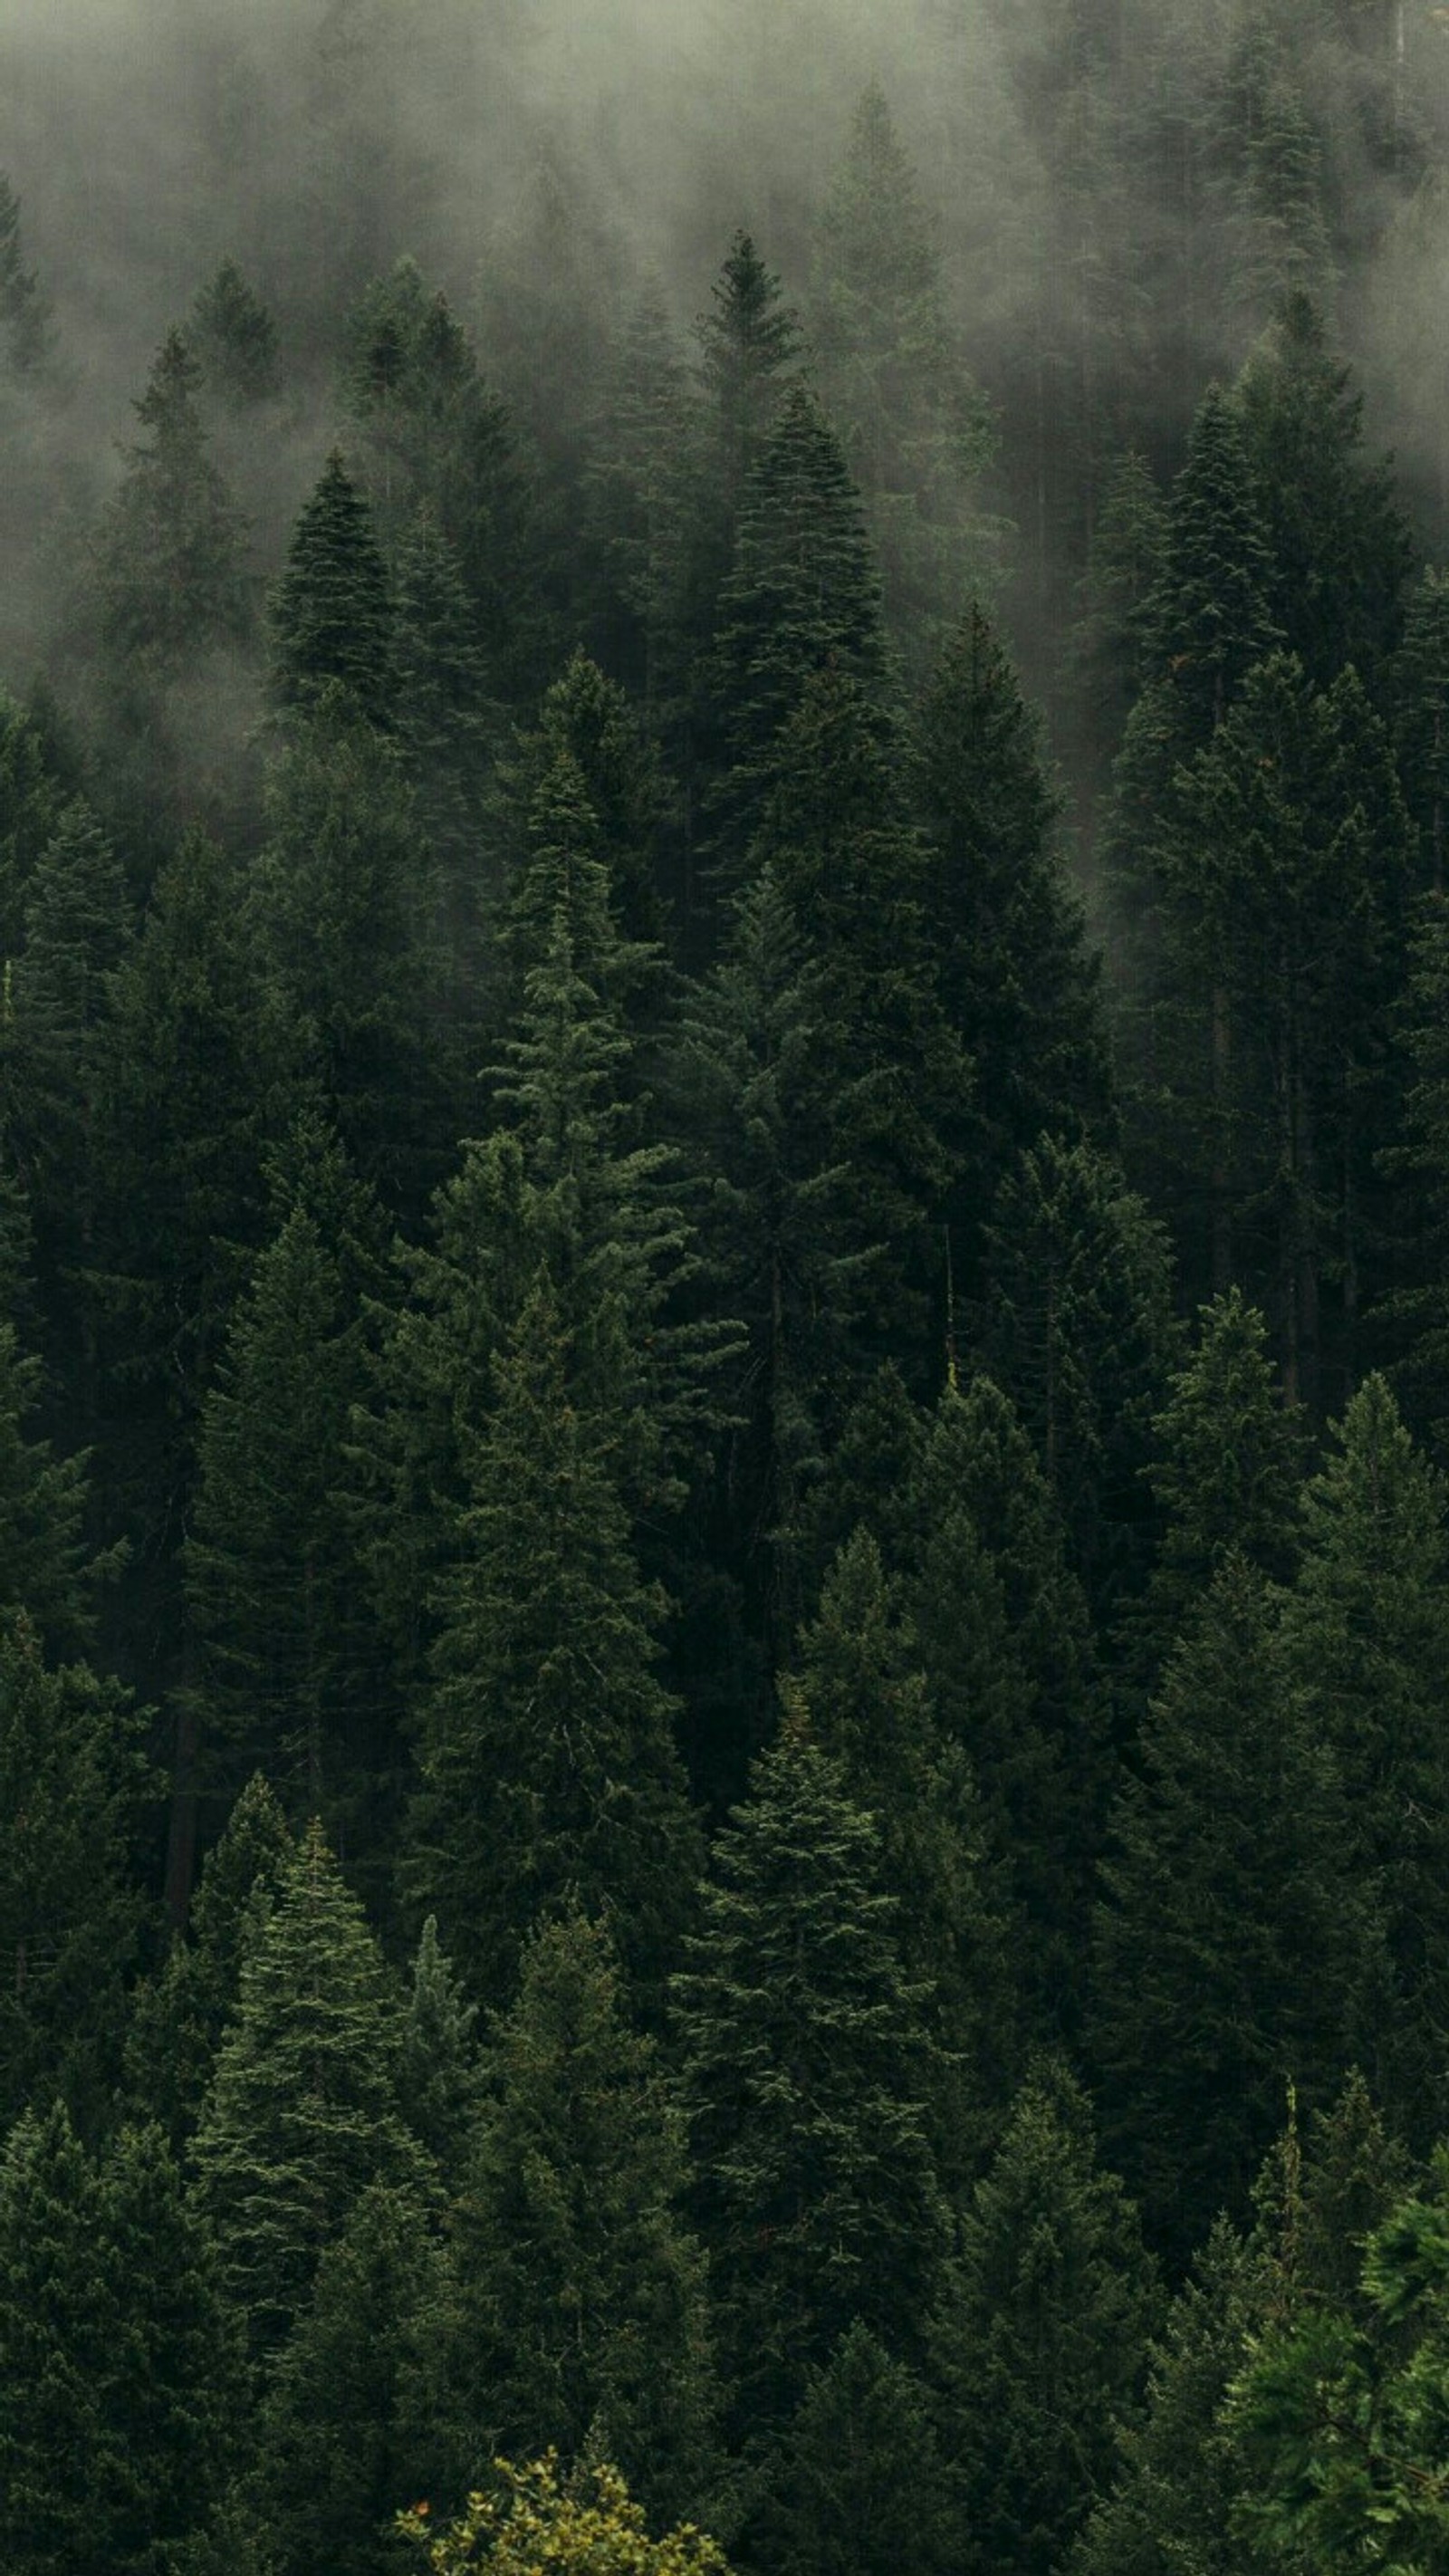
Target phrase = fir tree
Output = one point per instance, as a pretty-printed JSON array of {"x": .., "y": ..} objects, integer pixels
[
  {"x": 442, "y": 2072},
  {"x": 581, "y": 2319},
  {"x": 332, "y": 614},
  {"x": 547, "y": 1761},
  {"x": 860, "y": 2474},
  {"x": 235, "y": 339},
  {"x": 635, "y": 490},
  {"x": 55, "y": 2325},
  {"x": 72, "y": 1774},
  {"x": 171, "y": 551},
  {"x": 807, "y": 2075},
  {"x": 1231, "y": 1937},
  {"x": 24, "y": 312},
  {"x": 302, "y": 2112},
  {"x": 1039, "y": 2339}
]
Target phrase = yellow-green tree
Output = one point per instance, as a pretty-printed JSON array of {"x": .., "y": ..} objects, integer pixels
[{"x": 532, "y": 2526}]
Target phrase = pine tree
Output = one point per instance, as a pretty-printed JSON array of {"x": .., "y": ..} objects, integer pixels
[
  {"x": 49, "y": 1571},
  {"x": 1231, "y": 1934},
  {"x": 1017, "y": 982},
  {"x": 178, "y": 2016},
  {"x": 1108, "y": 655},
  {"x": 171, "y": 551},
  {"x": 332, "y": 616},
  {"x": 1005, "y": 1643},
  {"x": 302, "y": 2112},
  {"x": 801, "y": 597},
  {"x": 917, "y": 433},
  {"x": 24, "y": 312},
  {"x": 1077, "y": 1330},
  {"x": 349, "y": 2424},
  {"x": 547, "y": 1760},
  {"x": 807, "y": 2076},
  {"x": 34, "y": 784},
  {"x": 1039, "y": 2340},
  {"x": 272, "y": 1582},
  {"x": 870, "y": 1710},
  {"x": 234, "y": 338},
  {"x": 860, "y": 2474},
  {"x": 1421, "y": 718},
  {"x": 55, "y": 2324},
  {"x": 71, "y": 1780},
  {"x": 1338, "y": 542},
  {"x": 749, "y": 354},
  {"x": 1365, "y": 1645},
  {"x": 442, "y": 2072},
  {"x": 634, "y": 487},
  {"x": 581, "y": 2319}
]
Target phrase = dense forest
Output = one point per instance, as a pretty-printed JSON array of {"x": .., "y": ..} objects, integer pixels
[{"x": 724, "y": 1288}]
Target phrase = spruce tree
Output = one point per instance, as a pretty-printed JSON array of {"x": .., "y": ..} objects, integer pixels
[
  {"x": 859, "y": 2477},
  {"x": 580, "y": 2315},
  {"x": 272, "y": 1583},
  {"x": 302, "y": 2112},
  {"x": 1016, "y": 979},
  {"x": 1231, "y": 1934},
  {"x": 349, "y": 2427},
  {"x": 55, "y": 2327},
  {"x": 332, "y": 615},
  {"x": 1038, "y": 2342},
  {"x": 170, "y": 557},
  {"x": 24, "y": 312},
  {"x": 70, "y": 1914},
  {"x": 233, "y": 336},
  {"x": 1365, "y": 1647},
  {"x": 546, "y": 1757},
  {"x": 442, "y": 2071},
  {"x": 807, "y": 2076}
]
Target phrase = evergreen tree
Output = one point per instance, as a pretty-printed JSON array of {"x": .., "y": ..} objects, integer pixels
[
  {"x": 55, "y": 2327},
  {"x": 178, "y": 2016},
  {"x": 1338, "y": 543},
  {"x": 807, "y": 2075},
  {"x": 580, "y": 2302},
  {"x": 547, "y": 1761},
  {"x": 1365, "y": 1646},
  {"x": 332, "y": 616},
  {"x": 170, "y": 560},
  {"x": 33, "y": 796},
  {"x": 749, "y": 354},
  {"x": 302, "y": 2112},
  {"x": 71, "y": 1779},
  {"x": 860, "y": 2474},
  {"x": 1109, "y": 652},
  {"x": 1421, "y": 718},
  {"x": 442, "y": 2071},
  {"x": 49, "y": 1572},
  {"x": 1231, "y": 1937},
  {"x": 1077, "y": 1330},
  {"x": 1017, "y": 982},
  {"x": 272, "y": 1581},
  {"x": 348, "y": 2426},
  {"x": 1039, "y": 2340},
  {"x": 234, "y": 338},
  {"x": 801, "y": 597},
  {"x": 917, "y": 433},
  {"x": 1005, "y": 1643},
  {"x": 635, "y": 493},
  {"x": 24, "y": 312},
  {"x": 870, "y": 1711}
]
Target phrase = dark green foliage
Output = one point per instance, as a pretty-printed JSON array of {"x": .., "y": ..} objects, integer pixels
[
  {"x": 117, "y": 2374},
  {"x": 273, "y": 1586},
  {"x": 348, "y": 2427},
  {"x": 859, "y": 2470},
  {"x": 178, "y": 2016},
  {"x": 807, "y": 2075},
  {"x": 1017, "y": 982},
  {"x": 331, "y": 613},
  {"x": 580, "y": 2315},
  {"x": 1232, "y": 1931},
  {"x": 801, "y": 597},
  {"x": 71, "y": 1780},
  {"x": 1038, "y": 2342},
  {"x": 442, "y": 2072},
  {"x": 1365, "y": 1646},
  {"x": 546, "y": 1755},
  {"x": 235, "y": 339},
  {"x": 1077, "y": 1330},
  {"x": 303, "y": 2110},
  {"x": 1421, "y": 728},
  {"x": 46, "y": 1568},
  {"x": 170, "y": 558}
]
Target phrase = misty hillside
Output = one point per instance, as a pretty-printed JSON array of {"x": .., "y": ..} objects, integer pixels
[{"x": 724, "y": 1288}]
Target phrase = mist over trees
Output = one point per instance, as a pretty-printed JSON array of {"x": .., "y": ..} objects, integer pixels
[{"x": 724, "y": 1348}]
